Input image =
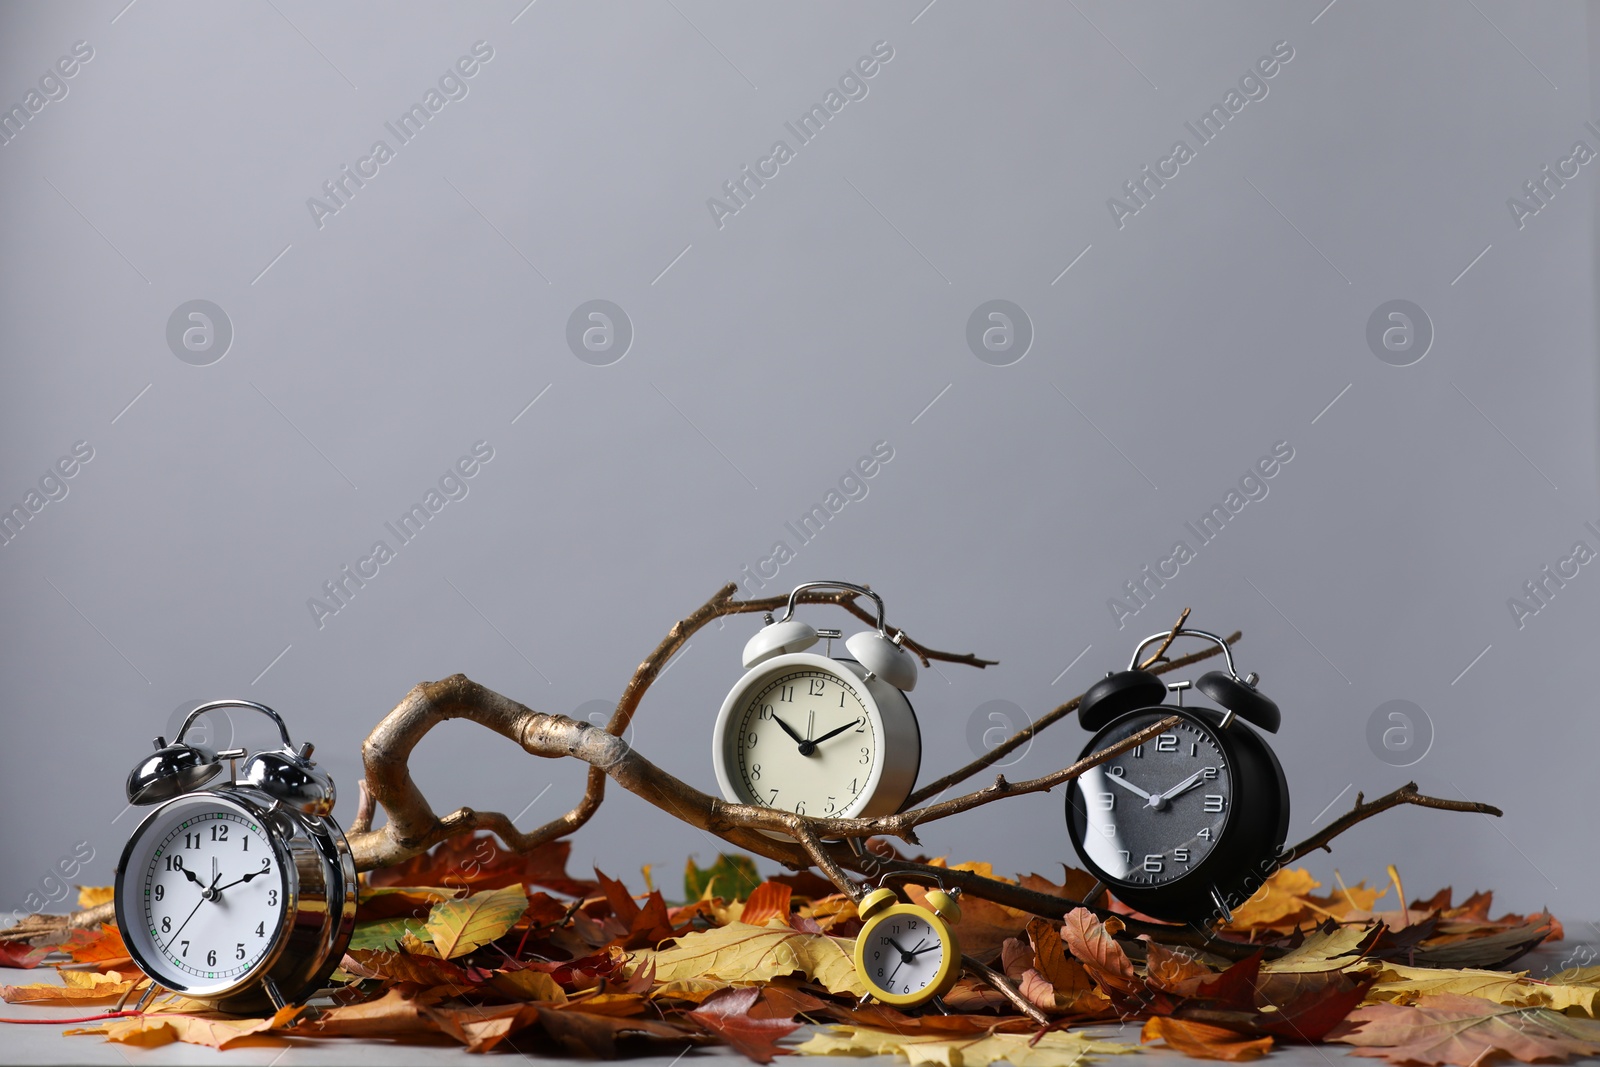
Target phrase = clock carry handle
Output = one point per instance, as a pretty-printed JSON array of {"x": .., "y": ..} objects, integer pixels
[
  {"x": 882, "y": 656},
  {"x": 1238, "y": 696},
  {"x": 213, "y": 705},
  {"x": 850, "y": 586}
]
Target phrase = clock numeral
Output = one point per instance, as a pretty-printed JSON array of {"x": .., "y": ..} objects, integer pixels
[
  {"x": 161, "y": 893},
  {"x": 1167, "y": 743},
  {"x": 1194, "y": 749},
  {"x": 185, "y": 952},
  {"x": 774, "y": 801},
  {"x": 1213, "y": 802},
  {"x": 211, "y": 958},
  {"x": 266, "y": 864},
  {"x": 1208, "y": 773},
  {"x": 219, "y": 831},
  {"x": 831, "y": 808},
  {"x": 261, "y": 929},
  {"x": 816, "y": 688},
  {"x": 799, "y": 807},
  {"x": 1117, "y": 772},
  {"x": 1204, "y": 834},
  {"x": 174, "y": 863},
  {"x": 866, "y": 755},
  {"x": 191, "y": 840},
  {"x": 1105, "y": 801},
  {"x": 766, "y": 711},
  {"x": 166, "y": 925},
  {"x": 842, "y": 695},
  {"x": 272, "y": 898},
  {"x": 751, "y": 739},
  {"x": 238, "y": 951},
  {"x": 1138, "y": 752},
  {"x": 786, "y": 694},
  {"x": 1181, "y": 855},
  {"x": 861, "y": 724},
  {"x": 247, "y": 842},
  {"x": 1153, "y": 862},
  {"x": 755, "y": 772},
  {"x": 1127, "y": 857},
  {"x": 854, "y": 789}
]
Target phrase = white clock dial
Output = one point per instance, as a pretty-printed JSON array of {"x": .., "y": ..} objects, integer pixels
[
  {"x": 805, "y": 743},
  {"x": 904, "y": 954},
  {"x": 211, "y": 892}
]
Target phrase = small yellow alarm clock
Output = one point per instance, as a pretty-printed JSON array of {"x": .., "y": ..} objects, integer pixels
[{"x": 905, "y": 953}]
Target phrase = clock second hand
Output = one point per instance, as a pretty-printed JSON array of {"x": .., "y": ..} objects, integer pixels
[{"x": 204, "y": 896}]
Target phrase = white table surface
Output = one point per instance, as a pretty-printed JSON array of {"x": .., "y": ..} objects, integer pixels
[{"x": 46, "y": 1045}]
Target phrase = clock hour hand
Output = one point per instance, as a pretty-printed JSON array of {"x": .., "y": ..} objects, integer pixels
[
  {"x": 1124, "y": 783},
  {"x": 802, "y": 742}
]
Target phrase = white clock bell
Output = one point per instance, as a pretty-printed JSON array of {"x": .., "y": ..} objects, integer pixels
[{"x": 816, "y": 735}]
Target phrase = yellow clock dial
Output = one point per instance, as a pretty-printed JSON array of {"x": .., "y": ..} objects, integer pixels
[
  {"x": 907, "y": 955},
  {"x": 805, "y": 743}
]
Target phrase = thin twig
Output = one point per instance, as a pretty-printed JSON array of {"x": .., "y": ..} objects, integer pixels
[
  {"x": 1406, "y": 794},
  {"x": 1002, "y": 985},
  {"x": 1166, "y": 643}
]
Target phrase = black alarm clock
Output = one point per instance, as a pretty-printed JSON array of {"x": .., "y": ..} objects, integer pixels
[{"x": 1185, "y": 826}]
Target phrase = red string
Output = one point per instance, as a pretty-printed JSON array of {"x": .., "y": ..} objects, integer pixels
[{"x": 79, "y": 1019}]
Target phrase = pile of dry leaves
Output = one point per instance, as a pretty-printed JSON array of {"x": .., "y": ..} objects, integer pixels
[{"x": 495, "y": 949}]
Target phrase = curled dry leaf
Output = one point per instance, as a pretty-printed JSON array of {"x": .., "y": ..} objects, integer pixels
[
  {"x": 745, "y": 953},
  {"x": 727, "y": 1014},
  {"x": 162, "y": 1028},
  {"x": 459, "y": 926},
  {"x": 1057, "y": 1048},
  {"x": 1204, "y": 1041},
  {"x": 1087, "y": 938}
]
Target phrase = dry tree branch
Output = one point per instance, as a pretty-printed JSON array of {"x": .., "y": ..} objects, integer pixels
[{"x": 1406, "y": 794}]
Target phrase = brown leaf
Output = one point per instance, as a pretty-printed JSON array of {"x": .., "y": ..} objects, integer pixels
[
  {"x": 769, "y": 900},
  {"x": 582, "y": 1034},
  {"x": 1087, "y": 938},
  {"x": 1074, "y": 989},
  {"x": 650, "y": 926},
  {"x": 528, "y": 984},
  {"x": 1172, "y": 971},
  {"x": 1464, "y": 1030},
  {"x": 396, "y": 966},
  {"x": 481, "y": 1029},
  {"x": 617, "y": 895},
  {"x": 391, "y": 1015},
  {"x": 727, "y": 1014},
  {"x": 480, "y": 862},
  {"x": 1204, "y": 1041}
]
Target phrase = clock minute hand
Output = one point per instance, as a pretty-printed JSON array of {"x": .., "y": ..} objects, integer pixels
[
  {"x": 1183, "y": 786},
  {"x": 236, "y": 881},
  {"x": 836, "y": 733}
]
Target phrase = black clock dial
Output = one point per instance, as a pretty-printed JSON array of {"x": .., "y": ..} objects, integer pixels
[{"x": 1157, "y": 812}]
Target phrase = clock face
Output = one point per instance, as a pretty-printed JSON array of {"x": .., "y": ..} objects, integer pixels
[
  {"x": 205, "y": 893},
  {"x": 804, "y": 741},
  {"x": 903, "y": 954},
  {"x": 1156, "y": 812}
]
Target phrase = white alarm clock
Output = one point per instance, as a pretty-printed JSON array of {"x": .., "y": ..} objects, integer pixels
[
  {"x": 240, "y": 895},
  {"x": 815, "y": 735}
]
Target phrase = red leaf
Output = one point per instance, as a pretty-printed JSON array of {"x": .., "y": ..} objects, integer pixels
[
  {"x": 20, "y": 954},
  {"x": 650, "y": 924},
  {"x": 481, "y": 862},
  {"x": 726, "y": 1013}
]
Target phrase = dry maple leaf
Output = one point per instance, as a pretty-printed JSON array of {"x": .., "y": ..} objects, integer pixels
[
  {"x": 1172, "y": 971},
  {"x": 394, "y": 966},
  {"x": 78, "y": 987},
  {"x": 745, "y": 953},
  {"x": 1450, "y": 1029},
  {"x": 478, "y": 861},
  {"x": 1087, "y": 938},
  {"x": 769, "y": 900},
  {"x": 1401, "y": 984},
  {"x": 1072, "y": 989},
  {"x": 1057, "y": 1048},
  {"x": 1327, "y": 948},
  {"x": 1204, "y": 1041},
  {"x": 162, "y": 1028},
  {"x": 459, "y": 926},
  {"x": 727, "y": 1014}
]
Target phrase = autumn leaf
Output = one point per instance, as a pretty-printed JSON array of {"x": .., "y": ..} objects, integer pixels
[
  {"x": 20, "y": 954},
  {"x": 1329, "y": 947},
  {"x": 1069, "y": 985},
  {"x": 102, "y": 946},
  {"x": 769, "y": 900},
  {"x": 1057, "y": 1048},
  {"x": 1086, "y": 938},
  {"x": 459, "y": 926},
  {"x": 528, "y": 984},
  {"x": 386, "y": 933},
  {"x": 79, "y": 987},
  {"x": 1400, "y": 984},
  {"x": 478, "y": 861},
  {"x": 1282, "y": 897},
  {"x": 482, "y": 1029},
  {"x": 1204, "y": 1041},
  {"x": 580, "y": 1033},
  {"x": 1451, "y": 1029},
  {"x": 745, "y": 953},
  {"x": 394, "y": 966},
  {"x": 730, "y": 877},
  {"x": 1496, "y": 949},
  {"x": 727, "y": 1014},
  {"x": 392, "y": 1015},
  {"x": 1172, "y": 971},
  {"x": 90, "y": 896},
  {"x": 154, "y": 1029}
]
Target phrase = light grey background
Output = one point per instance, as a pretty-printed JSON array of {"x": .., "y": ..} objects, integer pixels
[{"x": 768, "y": 355}]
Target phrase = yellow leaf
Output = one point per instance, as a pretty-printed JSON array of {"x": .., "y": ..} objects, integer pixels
[
  {"x": 745, "y": 953},
  {"x": 1058, "y": 1048},
  {"x": 90, "y": 896},
  {"x": 1281, "y": 897},
  {"x": 1322, "y": 950},
  {"x": 80, "y": 987},
  {"x": 162, "y": 1028},
  {"x": 1400, "y": 984},
  {"x": 459, "y": 926},
  {"x": 693, "y": 990},
  {"x": 529, "y": 985}
]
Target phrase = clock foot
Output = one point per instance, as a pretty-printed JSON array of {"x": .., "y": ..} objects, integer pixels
[
  {"x": 1095, "y": 892},
  {"x": 149, "y": 995},
  {"x": 1222, "y": 905},
  {"x": 276, "y": 997}
]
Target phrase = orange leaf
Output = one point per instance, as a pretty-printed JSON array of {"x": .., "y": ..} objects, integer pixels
[
  {"x": 1087, "y": 938},
  {"x": 769, "y": 900},
  {"x": 480, "y": 862},
  {"x": 1204, "y": 1041},
  {"x": 1171, "y": 971}
]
